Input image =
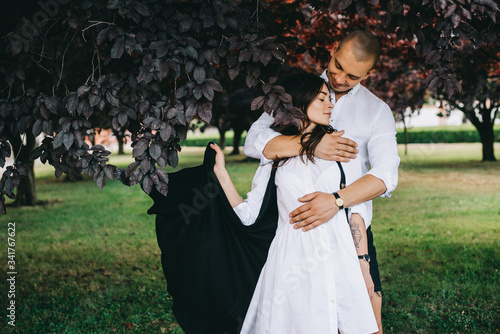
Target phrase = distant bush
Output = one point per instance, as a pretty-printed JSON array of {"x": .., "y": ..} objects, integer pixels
[{"x": 443, "y": 135}]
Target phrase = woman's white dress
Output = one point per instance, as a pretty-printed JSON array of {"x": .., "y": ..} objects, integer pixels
[{"x": 312, "y": 281}]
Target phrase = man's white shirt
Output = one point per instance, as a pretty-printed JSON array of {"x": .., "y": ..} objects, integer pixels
[{"x": 365, "y": 118}]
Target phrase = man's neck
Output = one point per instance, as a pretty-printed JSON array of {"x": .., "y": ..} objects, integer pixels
[{"x": 338, "y": 95}]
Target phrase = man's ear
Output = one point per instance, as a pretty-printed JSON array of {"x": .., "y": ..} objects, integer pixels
[
  {"x": 334, "y": 48},
  {"x": 370, "y": 72}
]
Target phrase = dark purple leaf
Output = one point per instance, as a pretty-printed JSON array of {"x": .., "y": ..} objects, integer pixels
[
  {"x": 109, "y": 171},
  {"x": 181, "y": 92},
  {"x": 48, "y": 129},
  {"x": 191, "y": 52},
  {"x": 37, "y": 127},
  {"x": 162, "y": 175},
  {"x": 245, "y": 55},
  {"x": 205, "y": 113},
  {"x": 51, "y": 104},
  {"x": 23, "y": 171},
  {"x": 165, "y": 131},
  {"x": 285, "y": 97},
  {"x": 208, "y": 92},
  {"x": 141, "y": 9},
  {"x": 101, "y": 180},
  {"x": 72, "y": 102},
  {"x": 258, "y": 102},
  {"x": 147, "y": 184},
  {"x": 131, "y": 168},
  {"x": 266, "y": 88},
  {"x": 185, "y": 24},
  {"x": 131, "y": 113},
  {"x": 191, "y": 112},
  {"x": 139, "y": 148},
  {"x": 434, "y": 83},
  {"x": 94, "y": 100},
  {"x": 143, "y": 106},
  {"x": 431, "y": 56},
  {"x": 112, "y": 100},
  {"x": 199, "y": 74},
  {"x": 118, "y": 48},
  {"x": 233, "y": 72},
  {"x": 68, "y": 139},
  {"x": 215, "y": 85},
  {"x": 83, "y": 90},
  {"x": 98, "y": 148},
  {"x": 155, "y": 150},
  {"x": 122, "y": 118},
  {"x": 58, "y": 140},
  {"x": 101, "y": 36},
  {"x": 161, "y": 50},
  {"x": 173, "y": 158}
]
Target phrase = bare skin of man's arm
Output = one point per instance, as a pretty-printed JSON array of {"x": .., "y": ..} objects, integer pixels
[
  {"x": 332, "y": 147},
  {"x": 358, "y": 232},
  {"x": 320, "y": 207}
]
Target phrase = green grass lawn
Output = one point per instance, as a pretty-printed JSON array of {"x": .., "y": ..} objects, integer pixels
[{"x": 88, "y": 261}]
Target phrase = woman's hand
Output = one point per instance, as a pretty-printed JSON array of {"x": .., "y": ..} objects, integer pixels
[
  {"x": 224, "y": 178},
  {"x": 220, "y": 163}
]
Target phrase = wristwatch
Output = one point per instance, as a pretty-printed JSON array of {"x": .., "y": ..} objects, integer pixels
[
  {"x": 338, "y": 201},
  {"x": 365, "y": 257}
]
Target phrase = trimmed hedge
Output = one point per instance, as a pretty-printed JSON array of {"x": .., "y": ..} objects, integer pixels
[
  {"x": 414, "y": 136},
  {"x": 443, "y": 136}
]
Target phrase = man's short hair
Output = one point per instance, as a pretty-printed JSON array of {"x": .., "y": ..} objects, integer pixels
[{"x": 366, "y": 46}]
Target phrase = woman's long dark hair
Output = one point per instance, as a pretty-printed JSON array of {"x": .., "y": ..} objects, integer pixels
[{"x": 303, "y": 87}]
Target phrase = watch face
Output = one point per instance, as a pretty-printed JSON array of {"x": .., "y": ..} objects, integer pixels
[{"x": 339, "y": 202}]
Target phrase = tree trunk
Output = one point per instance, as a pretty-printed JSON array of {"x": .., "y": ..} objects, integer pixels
[
  {"x": 26, "y": 191},
  {"x": 120, "y": 138},
  {"x": 406, "y": 136},
  {"x": 222, "y": 142},
  {"x": 120, "y": 146},
  {"x": 237, "y": 141},
  {"x": 487, "y": 136}
]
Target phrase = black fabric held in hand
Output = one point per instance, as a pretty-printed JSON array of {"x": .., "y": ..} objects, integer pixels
[{"x": 210, "y": 259}]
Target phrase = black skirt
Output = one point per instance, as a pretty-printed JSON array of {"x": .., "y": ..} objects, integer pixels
[{"x": 210, "y": 259}]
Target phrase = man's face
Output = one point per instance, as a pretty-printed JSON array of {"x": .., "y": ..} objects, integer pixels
[{"x": 344, "y": 71}]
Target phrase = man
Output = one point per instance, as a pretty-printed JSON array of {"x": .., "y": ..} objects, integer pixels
[{"x": 367, "y": 129}]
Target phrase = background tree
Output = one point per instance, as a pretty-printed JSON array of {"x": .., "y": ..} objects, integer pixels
[
  {"x": 459, "y": 41},
  {"x": 144, "y": 67},
  {"x": 150, "y": 68},
  {"x": 479, "y": 72}
]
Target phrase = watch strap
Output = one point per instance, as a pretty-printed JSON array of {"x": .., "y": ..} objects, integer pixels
[
  {"x": 365, "y": 257},
  {"x": 337, "y": 196}
]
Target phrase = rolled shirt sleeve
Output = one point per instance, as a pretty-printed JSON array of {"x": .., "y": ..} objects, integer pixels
[
  {"x": 258, "y": 136},
  {"x": 363, "y": 211},
  {"x": 383, "y": 150}
]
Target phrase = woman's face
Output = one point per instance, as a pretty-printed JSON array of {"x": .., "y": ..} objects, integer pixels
[{"x": 319, "y": 111}]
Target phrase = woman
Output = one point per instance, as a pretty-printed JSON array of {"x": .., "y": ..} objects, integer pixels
[{"x": 312, "y": 281}]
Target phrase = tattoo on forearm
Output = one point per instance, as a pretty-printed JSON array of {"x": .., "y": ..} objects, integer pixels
[{"x": 356, "y": 234}]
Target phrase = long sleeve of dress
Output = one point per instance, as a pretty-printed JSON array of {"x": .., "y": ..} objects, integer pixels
[{"x": 249, "y": 209}]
